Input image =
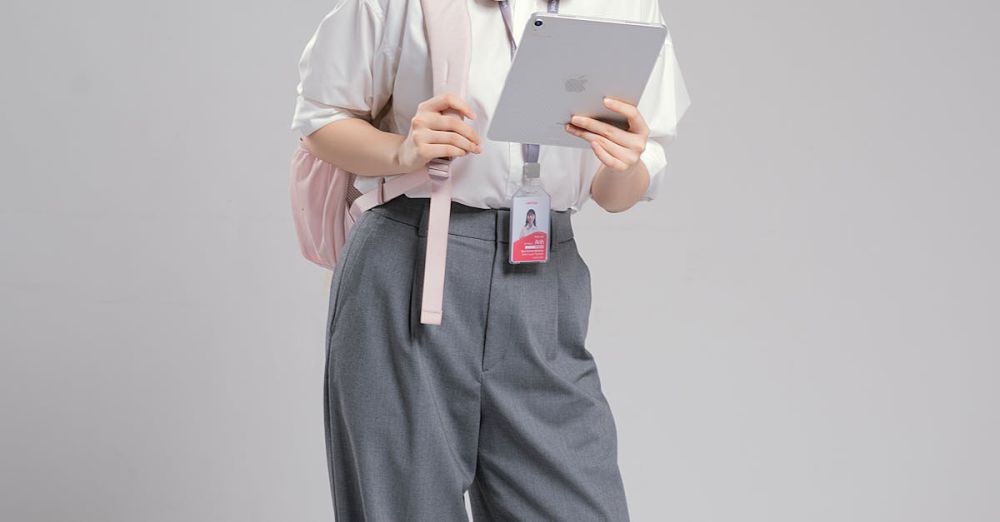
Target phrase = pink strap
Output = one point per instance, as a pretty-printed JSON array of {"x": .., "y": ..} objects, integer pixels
[
  {"x": 432, "y": 306},
  {"x": 447, "y": 24},
  {"x": 448, "y": 37},
  {"x": 386, "y": 190}
]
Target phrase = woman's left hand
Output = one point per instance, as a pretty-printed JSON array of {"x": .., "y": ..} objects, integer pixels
[{"x": 617, "y": 148}]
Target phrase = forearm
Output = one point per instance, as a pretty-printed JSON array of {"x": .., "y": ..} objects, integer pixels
[
  {"x": 616, "y": 191},
  {"x": 357, "y": 146}
]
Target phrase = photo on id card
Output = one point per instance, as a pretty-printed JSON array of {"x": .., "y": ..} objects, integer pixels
[{"x": 529, "y": 229}]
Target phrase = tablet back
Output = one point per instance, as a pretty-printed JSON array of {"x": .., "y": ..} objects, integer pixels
[{"x": 565, "y": 65}]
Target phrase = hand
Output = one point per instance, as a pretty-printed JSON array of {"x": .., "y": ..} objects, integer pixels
[
  {"x": 618, "y": 149},
  {"x": 437, "y": 131}
]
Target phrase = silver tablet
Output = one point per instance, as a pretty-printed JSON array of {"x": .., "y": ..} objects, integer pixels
[{"x": 565, "y": 65}]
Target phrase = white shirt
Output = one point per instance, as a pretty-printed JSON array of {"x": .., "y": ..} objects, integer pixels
[{"x": 366, "y": 50}]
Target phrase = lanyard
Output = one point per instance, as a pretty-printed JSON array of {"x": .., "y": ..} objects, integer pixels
[{"x": 528, "y": 150}]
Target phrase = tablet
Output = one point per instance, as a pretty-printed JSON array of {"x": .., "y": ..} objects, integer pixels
[{"x": 565, "y": 65}]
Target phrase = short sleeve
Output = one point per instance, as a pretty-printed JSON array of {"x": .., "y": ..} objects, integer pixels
[
  {"x": 345, "y": 71},
  {"x": 663, "y": 104}
]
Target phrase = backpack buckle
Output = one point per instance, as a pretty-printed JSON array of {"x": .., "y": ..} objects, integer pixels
[
  {"x": 439, "y": 168},
  {"x": 380, "y": 191}
]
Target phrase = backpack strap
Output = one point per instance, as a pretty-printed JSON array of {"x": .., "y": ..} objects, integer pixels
[
  {"x": 448, "y": 40},
  {"x": 447, "y": 26},
  {"x": 396, "y": 186}
]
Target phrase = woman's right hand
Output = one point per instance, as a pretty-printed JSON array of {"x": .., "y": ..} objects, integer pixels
[{"x": 436, "y": 131}]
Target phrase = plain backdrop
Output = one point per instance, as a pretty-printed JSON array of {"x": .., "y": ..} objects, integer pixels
[{"x": 803, "y": 327}]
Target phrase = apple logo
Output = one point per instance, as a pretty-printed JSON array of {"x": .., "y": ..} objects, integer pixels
[{"x": 578, "y": 84}]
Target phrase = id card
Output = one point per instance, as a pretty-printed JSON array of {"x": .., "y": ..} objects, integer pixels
[{"x": 529, "y": 228}]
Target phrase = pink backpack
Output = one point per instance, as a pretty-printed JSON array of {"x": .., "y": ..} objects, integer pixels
[{"x": 325, "y": 204}]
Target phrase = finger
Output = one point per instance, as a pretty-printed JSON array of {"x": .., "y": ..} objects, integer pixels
[
  {"x": 606, "y": 157},
  {"x": 623, "y": 138},
  {"x": 618, "y": 150},
  {"x": 636, "y": 123},
  {"x": 581, "y": 133},
  {"x": 604, "y": 129},
  {"x": 443, "y": 102},
  {"x": 444, "y": 123},
  {"x": 451, "y": 138},
  {"x": 623, "y": 155},
  {"x": 439, "y": 150}
]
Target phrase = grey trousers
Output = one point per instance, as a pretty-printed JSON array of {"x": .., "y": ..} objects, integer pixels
[{"x": 502, "y": 399}]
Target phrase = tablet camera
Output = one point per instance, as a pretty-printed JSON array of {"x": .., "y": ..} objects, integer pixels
[{"x": 538, "y": 23}]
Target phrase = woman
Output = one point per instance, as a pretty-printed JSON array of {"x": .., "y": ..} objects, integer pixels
[
  {"x": 502, "y": 400},
  {"x": 529, "y": 224}
]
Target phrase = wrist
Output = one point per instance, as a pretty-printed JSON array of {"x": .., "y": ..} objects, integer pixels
[
  {"x": 618, "y": 190},
  {"x": 621, "y": 177},
  {"x": 397, "y": 154}
]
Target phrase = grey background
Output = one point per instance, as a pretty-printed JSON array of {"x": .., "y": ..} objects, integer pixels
[{"x": 803, "y": 327}]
